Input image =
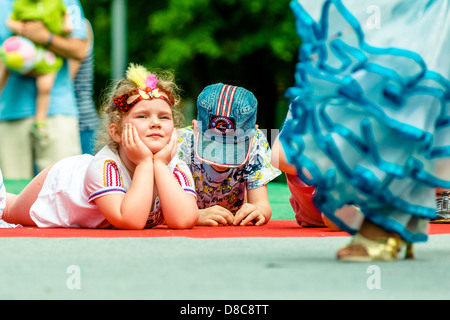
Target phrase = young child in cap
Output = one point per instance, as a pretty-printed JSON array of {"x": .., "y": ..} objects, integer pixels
[
  {"x": 129, "y": 182},
  {"x": 229, "y": 158}
]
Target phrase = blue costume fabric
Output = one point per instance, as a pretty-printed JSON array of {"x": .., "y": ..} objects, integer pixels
[{"x": 370, "y": 110}]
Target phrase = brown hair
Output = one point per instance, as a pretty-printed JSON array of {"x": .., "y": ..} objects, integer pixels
[{"x": 134, "y": 79}]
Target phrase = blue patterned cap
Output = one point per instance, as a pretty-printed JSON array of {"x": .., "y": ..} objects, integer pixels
[{"x": 226, "y": 123}]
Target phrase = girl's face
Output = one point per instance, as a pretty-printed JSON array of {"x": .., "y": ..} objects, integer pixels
[{"x": 153, "y": 121}]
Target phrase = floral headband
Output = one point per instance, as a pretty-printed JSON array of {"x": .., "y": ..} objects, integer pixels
[{"x": 149, "y": 93}]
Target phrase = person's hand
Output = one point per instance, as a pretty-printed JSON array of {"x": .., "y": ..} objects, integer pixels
[
  {"x": 168, "y": 152},
  {"x": 36, "y": 31},
  {"x": 16, "y": 26},
  {"x": 134, "y": 148},
  {"x": 214, "y": 216},
  {"x": 249, "y": 213}
]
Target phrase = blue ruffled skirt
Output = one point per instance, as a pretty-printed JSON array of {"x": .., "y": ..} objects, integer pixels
[{"x": 371, "y": 110}]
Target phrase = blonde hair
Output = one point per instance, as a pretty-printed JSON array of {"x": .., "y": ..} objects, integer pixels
[{"x": 134, "y": 79}]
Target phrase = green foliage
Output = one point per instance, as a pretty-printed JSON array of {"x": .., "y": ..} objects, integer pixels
[
  {"x": 251, "y": 43},
  {"x": 228, "y": 29}
]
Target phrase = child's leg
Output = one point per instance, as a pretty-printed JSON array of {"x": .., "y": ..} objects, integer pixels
[
  {"x": 4, "y": 74},
  {"x": 17, "y": 209},
  {"x": 44, "y": 85}
]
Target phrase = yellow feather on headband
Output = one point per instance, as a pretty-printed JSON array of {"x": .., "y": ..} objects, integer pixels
[{"x": 138, "y": 74}]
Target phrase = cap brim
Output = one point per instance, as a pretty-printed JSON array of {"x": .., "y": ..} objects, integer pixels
[{"x": 230, "y": 155}]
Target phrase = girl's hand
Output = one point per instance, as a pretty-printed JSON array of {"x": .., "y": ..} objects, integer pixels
[
  {"x": 134, "y": 148},
  {"x": 168, "y": 152}
]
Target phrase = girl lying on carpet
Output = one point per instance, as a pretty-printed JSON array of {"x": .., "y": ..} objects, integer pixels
[{"x": 131, "y": 183}]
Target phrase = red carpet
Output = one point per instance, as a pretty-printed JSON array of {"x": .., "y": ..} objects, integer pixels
[{"x": 275, "y": 228}]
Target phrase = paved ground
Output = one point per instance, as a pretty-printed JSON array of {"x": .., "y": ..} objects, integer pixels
[
  {"x": 198, "y": 269},
  {"x": 184, "y": 268}
]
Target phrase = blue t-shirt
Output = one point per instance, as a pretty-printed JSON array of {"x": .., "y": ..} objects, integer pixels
[{"x": 18, "y": 97}]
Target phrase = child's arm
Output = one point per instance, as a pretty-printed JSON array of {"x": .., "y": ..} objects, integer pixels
[
  {"x": 279, "y": 160},
  {"x": 68, "y": 27},
  {"x": 178, "y": 207},
  {"x": 4, "y": 74},
  {"x": 256, "y": 209},
  {"x": 131, "y": 210}
]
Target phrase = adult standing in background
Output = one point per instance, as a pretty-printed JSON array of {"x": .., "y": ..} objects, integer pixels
[
  {"x": 83, "y": 75},
  {"x": 20, "y": 153}
]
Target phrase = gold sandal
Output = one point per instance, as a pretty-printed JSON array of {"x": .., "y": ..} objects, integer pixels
[{"x": 388, "y": 249}]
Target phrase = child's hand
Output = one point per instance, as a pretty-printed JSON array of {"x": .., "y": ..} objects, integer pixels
[
  {"x": 214, "y": 216},
  {"x": 168, "y": 152},
  {"x": 16, "y": 26},
  {"x": 135, "y": 149},
  {"x": 248, "y": 213}
]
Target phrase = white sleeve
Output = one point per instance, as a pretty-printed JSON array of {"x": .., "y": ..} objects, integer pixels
[
  {"x": 103, "y": 177},
  {"x": 184, "y": 177}
]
